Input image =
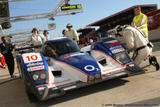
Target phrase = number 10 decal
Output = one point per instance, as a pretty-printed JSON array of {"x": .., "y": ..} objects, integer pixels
[{"x": 31, "y": 57}]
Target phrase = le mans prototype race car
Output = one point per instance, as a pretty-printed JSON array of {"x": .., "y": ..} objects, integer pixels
[{"x": 60, "y": 66}]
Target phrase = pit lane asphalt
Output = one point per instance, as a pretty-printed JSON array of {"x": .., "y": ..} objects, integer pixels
[{"x": 138, "y": 91}]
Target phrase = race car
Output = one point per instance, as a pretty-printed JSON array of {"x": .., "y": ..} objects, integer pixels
[{"x": 60, "y": 66}]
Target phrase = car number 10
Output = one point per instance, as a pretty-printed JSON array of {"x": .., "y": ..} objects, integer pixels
[{"x": 31, "y": 57}]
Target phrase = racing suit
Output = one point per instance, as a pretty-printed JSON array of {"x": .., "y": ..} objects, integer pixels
[
  {"x": 136, "y": 42},
  {"x": 72, "y": 34}
]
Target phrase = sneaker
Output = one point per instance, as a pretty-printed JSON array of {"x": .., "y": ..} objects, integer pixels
[
  {"x": 153, "y": 61},
  {"x": 157, "y": 66}
]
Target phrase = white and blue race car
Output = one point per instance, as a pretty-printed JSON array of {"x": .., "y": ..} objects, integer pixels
[{"x": 61, "y": 66}]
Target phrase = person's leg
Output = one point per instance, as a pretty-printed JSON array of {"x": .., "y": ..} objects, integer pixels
[
  {"x": 142, "y": 55},
  {"x": 10, "y": 64}
]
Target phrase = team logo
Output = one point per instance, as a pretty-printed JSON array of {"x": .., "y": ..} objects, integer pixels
[{"x": 89, "y": 68}]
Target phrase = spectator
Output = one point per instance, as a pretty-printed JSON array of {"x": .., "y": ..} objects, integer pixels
[
  {"x": 6, "y": 50},
  {"x": 72, "y": 33}
]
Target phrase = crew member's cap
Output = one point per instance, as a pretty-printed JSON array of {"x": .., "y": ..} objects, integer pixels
[{"x": 69, "y": 25}]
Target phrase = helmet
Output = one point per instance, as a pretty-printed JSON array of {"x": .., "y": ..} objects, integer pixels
[{"x": 119, "y": 28}]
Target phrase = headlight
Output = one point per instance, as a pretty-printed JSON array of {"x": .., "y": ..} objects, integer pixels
[
  {"x": 35, "y": 77},
  {"x": 91, "y": 77},
  {"x": 39, "y": 77},
  {"x": 42, "y": 76},
  {"x": 98, "y": 76}
]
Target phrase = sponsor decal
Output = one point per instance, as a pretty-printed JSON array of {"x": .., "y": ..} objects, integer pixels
[
  {"x": 34, "y": 64},
  {"x": 35, "y": 68},
  {"x": 118, "y": 50},
  {"x": 89, "y": 68},
  {"x": 115, "y": 47}
]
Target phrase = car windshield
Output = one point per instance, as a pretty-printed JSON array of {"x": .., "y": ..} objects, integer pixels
[{"x": 64, "y": 47}]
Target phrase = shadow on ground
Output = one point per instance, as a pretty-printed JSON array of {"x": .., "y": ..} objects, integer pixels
[
  {"x": 13, "y": 94},
  {"x": 6, "y": 80},
  {"x": 155, "y": 102},
  {"x": 83, "y": 92}
]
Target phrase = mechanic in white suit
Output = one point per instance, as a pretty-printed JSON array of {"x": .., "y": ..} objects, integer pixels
[{"x": 136, "y": 42}]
